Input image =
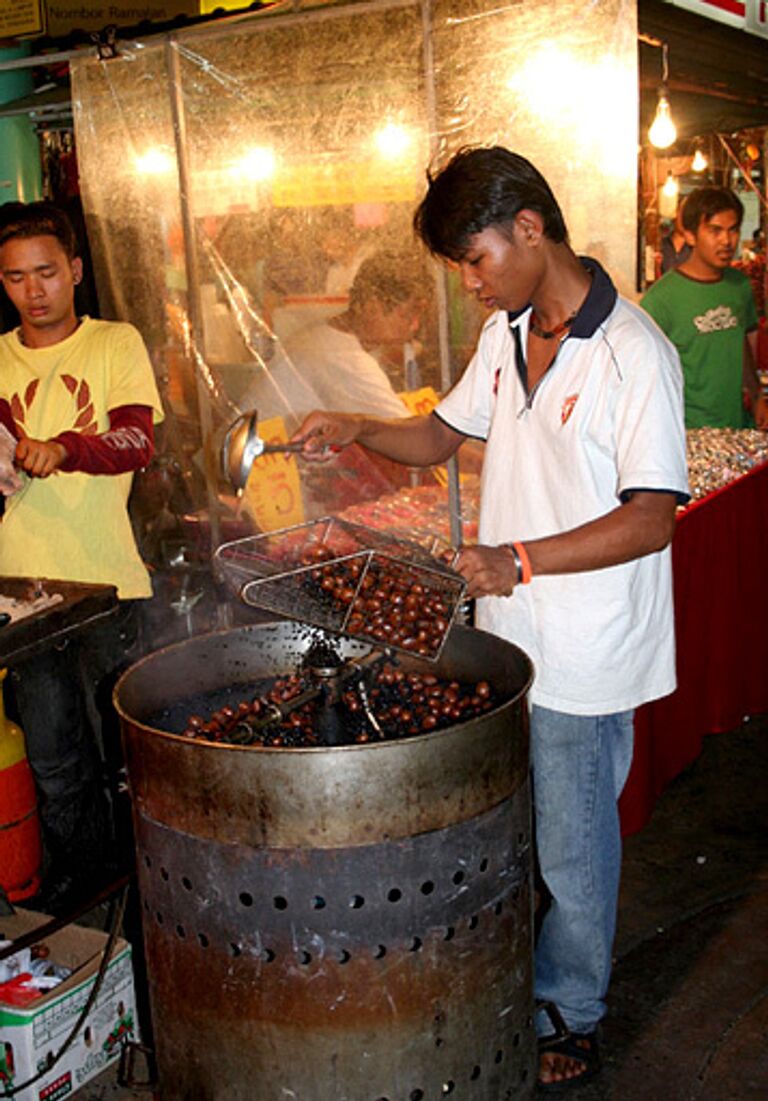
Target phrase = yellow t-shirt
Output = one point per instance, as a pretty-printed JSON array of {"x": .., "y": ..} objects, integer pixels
[{"x": 75, "y": 527}]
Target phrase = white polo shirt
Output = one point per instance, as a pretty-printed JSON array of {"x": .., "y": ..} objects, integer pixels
[{"x": 606, "y": 419}]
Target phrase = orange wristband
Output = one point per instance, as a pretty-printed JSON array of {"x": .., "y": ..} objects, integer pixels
[{"x": 525, "y": 563}]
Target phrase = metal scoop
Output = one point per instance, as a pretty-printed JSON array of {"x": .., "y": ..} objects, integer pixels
[{"x": 243, "y": 445}]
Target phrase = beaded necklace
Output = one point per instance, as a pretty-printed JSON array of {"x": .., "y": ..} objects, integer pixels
[{"x": 549, "y": 334}]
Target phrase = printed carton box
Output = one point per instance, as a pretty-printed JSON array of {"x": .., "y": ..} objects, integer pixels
[{"x": 30, "y": 1035}]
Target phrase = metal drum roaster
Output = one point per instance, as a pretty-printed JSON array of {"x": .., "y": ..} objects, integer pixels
[{"x": 340, "y": 922}]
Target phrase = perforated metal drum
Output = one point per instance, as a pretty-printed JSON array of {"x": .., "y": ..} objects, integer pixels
[{"x": 348, "y": 923}]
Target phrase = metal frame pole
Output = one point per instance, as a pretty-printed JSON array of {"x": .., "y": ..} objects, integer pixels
[
  {"x": 441, "y": 276},
  {"x": 194, "y": 307}
]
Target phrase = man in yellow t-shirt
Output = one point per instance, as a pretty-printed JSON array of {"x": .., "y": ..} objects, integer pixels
[{"x": 79, "y": 396}]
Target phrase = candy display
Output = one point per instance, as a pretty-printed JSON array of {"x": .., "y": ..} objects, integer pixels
[
  {"x": 717, "y": 456},
  {"x": 420, "y": 513}
]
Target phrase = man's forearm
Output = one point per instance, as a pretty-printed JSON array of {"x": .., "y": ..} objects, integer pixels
[
  {"x": 645, "y": 524},
  {"x": 414, "y": 441},
  {"x": 127, "y": 445},
  {"x": 750, "y": 377}
]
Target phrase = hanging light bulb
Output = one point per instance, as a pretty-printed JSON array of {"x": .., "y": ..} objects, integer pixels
[
  {"x": 699, "y": 162},
  {"x": 154, "y": 161},
  {"x": 256, "y": 164},
  {"x": 392, "y": 140},
  {"x": 662, "y": 131},
  {"x": 668, "y": 197},
  {"x": 671, "y": 187}
]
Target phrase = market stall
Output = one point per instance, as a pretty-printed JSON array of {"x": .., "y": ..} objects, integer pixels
[
  {"x": 720, "y": 547},
  {"x": 237, "y": 177},
  {"x": 719, "y": 554}
]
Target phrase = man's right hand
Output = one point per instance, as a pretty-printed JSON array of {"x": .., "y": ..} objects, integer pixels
[
  {"x": 416, "y": 441},
  {"x": 325, "y": 433},
  {"x": 39, "y": 458}
]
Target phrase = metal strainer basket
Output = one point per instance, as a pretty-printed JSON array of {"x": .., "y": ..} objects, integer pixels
[{"x": 348, "y": 579}]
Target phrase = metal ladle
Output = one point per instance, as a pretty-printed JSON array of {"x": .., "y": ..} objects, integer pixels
[{"x": 243, "y": 446}]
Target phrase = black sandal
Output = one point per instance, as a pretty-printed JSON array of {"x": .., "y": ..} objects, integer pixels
[{"x": 583, "y": 1048}]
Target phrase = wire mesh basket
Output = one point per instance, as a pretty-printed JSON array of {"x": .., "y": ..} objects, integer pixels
[{"x": 348, "y": 579}]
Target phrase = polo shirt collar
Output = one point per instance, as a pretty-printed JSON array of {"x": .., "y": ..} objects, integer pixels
[{"x": 596, "y": 307}]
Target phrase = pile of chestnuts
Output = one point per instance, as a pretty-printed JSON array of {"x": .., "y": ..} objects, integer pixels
[
  {"x": 389, "y": 602},
  {"x": 395, "y": 704}
]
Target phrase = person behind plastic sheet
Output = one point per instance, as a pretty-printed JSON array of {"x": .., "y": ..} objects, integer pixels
[
  {"x": 579, "y": 397},
  {"x": 340, "y": 363},
  {"x": 79, "y": 396},
  {"x": 707, "y": 310},
  {"x": 344, "y": 247},
  {"x": 674, "y": 247}
]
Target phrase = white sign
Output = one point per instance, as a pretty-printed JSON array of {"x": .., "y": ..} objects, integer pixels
[{"x": 745, "y": 15}]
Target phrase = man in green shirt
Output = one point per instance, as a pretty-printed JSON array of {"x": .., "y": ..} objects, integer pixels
[{"x": 707, "y": 310}]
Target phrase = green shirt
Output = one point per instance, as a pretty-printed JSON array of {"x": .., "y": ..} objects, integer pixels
[{"x": 707, "y": 323}]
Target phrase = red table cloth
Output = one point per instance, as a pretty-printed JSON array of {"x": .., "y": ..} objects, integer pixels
[{"x": 720, "y": 562}]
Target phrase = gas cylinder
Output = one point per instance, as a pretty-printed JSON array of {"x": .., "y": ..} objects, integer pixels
[{"x": 20, "y": 842}]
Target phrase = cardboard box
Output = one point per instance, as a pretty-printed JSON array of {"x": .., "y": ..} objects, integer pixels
[{"x": 30, "y": 1035}]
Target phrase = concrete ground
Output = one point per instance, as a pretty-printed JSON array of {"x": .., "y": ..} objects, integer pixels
[{"x": 688, "y": 1014}]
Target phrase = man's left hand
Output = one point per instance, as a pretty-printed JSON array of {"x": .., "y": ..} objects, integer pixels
[
  {"x": 760, "y": 411},
  {"x": 39, "y": 458},
  {"x": 488, "y": 571}
]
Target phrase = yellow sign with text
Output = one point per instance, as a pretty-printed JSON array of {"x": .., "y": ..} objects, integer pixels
[
  {"x": 207, "y": 7},
  {"x": 272, "y": 495},
  {"x": 20, "y": 17},
  {"x": 420, "y": 402},
  {"x": 328, "y": 184}
]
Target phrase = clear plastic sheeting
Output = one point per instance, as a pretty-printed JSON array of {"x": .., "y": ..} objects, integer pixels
[{"x": 249, "y": 188}]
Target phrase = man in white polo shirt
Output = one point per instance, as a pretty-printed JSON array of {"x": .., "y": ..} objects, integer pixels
[{"x": 579, "y": 398}]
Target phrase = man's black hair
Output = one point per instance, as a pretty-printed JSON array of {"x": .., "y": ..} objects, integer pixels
[
  {"x": 39, "y": 219},
  {"x": 390, "y": 277},
  {"x": 705, "y": 202},
  {"x": 482, "y": 187}
]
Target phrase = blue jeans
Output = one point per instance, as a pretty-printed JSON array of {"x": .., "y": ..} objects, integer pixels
[
  {"x": 63, "y": 696},
  {"x": 580, "y": 764}
]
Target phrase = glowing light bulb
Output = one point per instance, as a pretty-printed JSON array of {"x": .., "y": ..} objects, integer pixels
[
  {"x": 668, "y": 197},
  {"x": 259, "y": 163},
  {"x": 662, "y": 131},
  {"x": 699, "y": 162},
  {"x": 154, "y": 162},
  {"x": 392, "y": 140},
  {"x": 671, "y": 187}
]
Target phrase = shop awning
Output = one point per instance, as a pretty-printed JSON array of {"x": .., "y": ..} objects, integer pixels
[
  {"x": 718, "y": 76},
  {"x": 50, "y": 103}
]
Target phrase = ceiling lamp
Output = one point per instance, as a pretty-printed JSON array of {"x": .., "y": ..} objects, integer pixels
[
  {"x": 671, "y": 187},
  {"x": 257, "y": 164},
  {"x": 154, "y": 161},
  {"x": 392, "y": 140},
  {"x": 699, "y": 162},
  {"x": 663, "y": 132},
  {"x": 668, "y": 197}
]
